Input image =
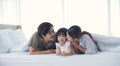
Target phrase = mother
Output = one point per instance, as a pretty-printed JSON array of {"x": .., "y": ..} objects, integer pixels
[{"x": 82, "y": 42}]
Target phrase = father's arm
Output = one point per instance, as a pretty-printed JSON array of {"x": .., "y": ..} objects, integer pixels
[{"x": 33, "y": 51}]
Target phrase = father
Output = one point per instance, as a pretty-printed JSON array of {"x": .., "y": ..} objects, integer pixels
[{"x": 42, "y": 41}]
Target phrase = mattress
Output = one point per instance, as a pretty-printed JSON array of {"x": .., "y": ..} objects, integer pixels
[{"x": 24, "y": 59}]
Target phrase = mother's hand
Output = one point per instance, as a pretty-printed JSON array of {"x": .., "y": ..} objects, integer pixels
[
  {"x": 75, "y": 44},
  {"x": 77, "y": 47}
]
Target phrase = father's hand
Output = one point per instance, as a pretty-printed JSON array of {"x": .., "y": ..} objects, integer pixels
[{"x": 51, "y": 51}]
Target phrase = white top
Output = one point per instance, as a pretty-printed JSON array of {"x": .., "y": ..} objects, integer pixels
[
  {"x": 86, "y": 42},
  {"x": 64, "y": 47}
]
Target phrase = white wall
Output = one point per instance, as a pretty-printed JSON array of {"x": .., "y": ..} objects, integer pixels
[
  {"x": 91, "y": 15},
  {"x": 9, "y": 11},
  {"x": 115, "y": 17},
  {"x": 95, "y": 16},
  {"x": 1, "y": 11},
  {"x": 33, "y": 12}
]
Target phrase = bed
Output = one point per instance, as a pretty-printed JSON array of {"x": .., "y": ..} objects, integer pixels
[
  {"x": 21, "y": 57},
  {"x": 24, "y": 59}
]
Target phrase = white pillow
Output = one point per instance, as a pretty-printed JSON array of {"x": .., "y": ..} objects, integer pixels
[
  {"x": 106, "y": 42},
  {"x": 12, "y": 35},
  {"x": 3, "y": 48},
  {"x": 21, "y": 47},
  {"x": 12, "y": 41},
  {"x": 20, "y": 35},
  {"x": 17, "y": 36},
  {"x": 5, "y": 41}
]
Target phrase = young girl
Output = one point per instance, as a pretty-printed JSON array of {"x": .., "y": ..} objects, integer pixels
[{"x": 63, "y": 47}]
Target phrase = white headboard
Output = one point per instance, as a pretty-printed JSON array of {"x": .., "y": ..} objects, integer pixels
[{"x": 6, "y": 26}]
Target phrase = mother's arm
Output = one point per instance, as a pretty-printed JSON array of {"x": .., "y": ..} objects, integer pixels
[{"x": 34, "y": 51}]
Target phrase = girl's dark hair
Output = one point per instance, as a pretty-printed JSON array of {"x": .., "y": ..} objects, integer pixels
[
  {"x": 76, "y": 32},
  {"x": 61, "y": 31},
  {"x": 44, "y": 28}
]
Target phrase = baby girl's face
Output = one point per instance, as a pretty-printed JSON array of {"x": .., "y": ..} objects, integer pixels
[{"x": 62, "y": 39}]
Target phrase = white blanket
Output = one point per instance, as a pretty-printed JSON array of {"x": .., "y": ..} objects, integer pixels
[
  {"x": 24, "y": 59},
  {"x": 107, "y": 43}
]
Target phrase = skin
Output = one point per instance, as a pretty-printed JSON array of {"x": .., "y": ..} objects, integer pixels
[
  {"x": 62, "y": 39},
  {"x": 48, "y": 37},
  {"x": 75, "y": 44}
]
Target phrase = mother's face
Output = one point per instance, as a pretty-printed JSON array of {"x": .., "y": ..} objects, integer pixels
[{"x": 70, "y": 38}]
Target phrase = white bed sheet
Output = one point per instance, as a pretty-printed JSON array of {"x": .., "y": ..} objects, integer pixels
[{"x": 24, "y": 59}]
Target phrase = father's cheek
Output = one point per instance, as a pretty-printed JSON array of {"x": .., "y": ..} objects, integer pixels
[{"x": 52, "y": 38}]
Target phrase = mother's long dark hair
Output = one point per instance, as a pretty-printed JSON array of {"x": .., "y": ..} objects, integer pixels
[{"x": 76, "y": 32}]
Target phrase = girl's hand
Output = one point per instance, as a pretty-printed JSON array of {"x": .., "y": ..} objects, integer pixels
[
  {"x": 58, "y": 52},
  {"x": 63, "y": 53}
]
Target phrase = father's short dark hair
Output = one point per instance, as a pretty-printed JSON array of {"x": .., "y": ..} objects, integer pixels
[{"x": 44, "y": 28}]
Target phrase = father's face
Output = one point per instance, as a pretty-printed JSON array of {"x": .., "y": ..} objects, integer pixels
[{"x": 50, "y": 35}]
